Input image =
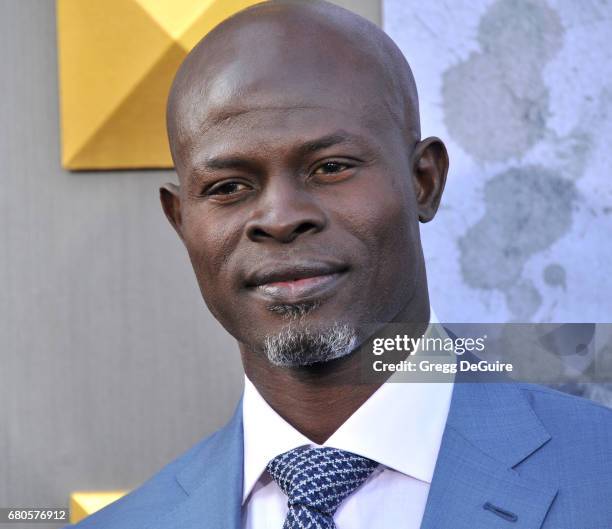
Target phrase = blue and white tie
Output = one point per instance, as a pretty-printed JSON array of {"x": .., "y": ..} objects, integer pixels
[{"x": 316, "y": 481}]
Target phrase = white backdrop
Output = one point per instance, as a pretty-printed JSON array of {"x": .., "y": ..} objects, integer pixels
[{"x": 520, "y": 91}]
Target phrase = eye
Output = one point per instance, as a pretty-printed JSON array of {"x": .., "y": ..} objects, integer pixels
[
  {"x": 226, "y": 189},
  {"x": 331, "y": 168}
]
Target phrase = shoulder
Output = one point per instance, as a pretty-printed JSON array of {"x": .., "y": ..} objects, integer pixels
[
  {"x": 580, "y": 435},
  {"x": 569, "y": 415},
  {"x": 556, "y": 430},
  {"x": 211, "y": 463},
  {"x": 154, "y": 497},
  {"x": 576, "y": 458},
  {"x": 579, "y": 428}
]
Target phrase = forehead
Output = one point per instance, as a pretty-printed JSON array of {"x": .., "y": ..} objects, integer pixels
[
  {"x": 280, "y": 137},
  {"x": 278, "y": 117},
  {"x": 282, "y": 128},
  {"x": 243, "y": 86}
]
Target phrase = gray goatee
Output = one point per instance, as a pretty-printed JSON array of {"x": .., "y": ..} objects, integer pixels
[{"x": 298, "y": 345}]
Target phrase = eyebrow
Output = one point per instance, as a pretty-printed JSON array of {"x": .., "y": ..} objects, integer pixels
[
  {"x": 330, "y": 140},
  {"x": 225, "y": 162},
  {"x": 324, "y": 142}
]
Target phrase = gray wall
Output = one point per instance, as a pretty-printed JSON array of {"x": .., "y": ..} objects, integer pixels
[{"x": 110, "y": 365}]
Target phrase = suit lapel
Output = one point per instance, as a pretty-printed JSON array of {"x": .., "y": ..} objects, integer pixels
[
  {"x": 491, "y": 428},
  {"x": 213, "y": 483}
]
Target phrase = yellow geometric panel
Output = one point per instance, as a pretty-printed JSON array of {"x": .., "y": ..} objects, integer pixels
[
  {"x": 117, "y": 59},
  {"x": 82, "y": 504},
  {"x": 175, "y": 16}
]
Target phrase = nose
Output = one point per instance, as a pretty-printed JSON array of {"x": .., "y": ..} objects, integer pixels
[{"x": 285, "y": 212}]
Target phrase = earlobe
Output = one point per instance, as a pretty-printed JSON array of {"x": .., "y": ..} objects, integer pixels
[
  {"x": 169, "y": 195},
  {"x": 430, "y": 167}
]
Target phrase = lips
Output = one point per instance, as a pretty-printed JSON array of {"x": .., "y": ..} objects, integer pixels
[{"x": 295, "y": 282}]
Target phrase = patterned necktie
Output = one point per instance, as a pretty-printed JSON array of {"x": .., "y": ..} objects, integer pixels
[{"x": 316, "y": 481}]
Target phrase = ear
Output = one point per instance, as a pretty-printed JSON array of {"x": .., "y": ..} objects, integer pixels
[
  {"x": 429, "y": 169},
  {"x": 169, "y": 195}
]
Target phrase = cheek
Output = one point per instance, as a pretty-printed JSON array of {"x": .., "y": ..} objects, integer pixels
[
  {"x": 379, "y": 212},
  {"x": 394, "y": 243},
  {"x": 386, "y": 225},
  {"x": 209, "y": 244}
]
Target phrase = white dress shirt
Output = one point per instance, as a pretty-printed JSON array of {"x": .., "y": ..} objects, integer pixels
[{"x": 400, "y": 427}]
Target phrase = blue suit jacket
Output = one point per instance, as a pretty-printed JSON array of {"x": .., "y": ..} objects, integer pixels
[{"x": 513, "y": 456}]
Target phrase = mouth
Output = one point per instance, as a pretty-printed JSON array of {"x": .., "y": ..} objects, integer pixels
[{"x": 296, "y": 283}]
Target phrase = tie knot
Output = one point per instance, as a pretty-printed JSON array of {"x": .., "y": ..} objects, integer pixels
[{"x": 319, "y": 478}]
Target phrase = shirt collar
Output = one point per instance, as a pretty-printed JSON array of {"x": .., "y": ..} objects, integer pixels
[
  {"x": 266, "y": 435},
  {"x": 400, "y": 426}
]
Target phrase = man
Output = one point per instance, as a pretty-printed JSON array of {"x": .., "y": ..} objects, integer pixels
[{"x": 294, "y": 128}]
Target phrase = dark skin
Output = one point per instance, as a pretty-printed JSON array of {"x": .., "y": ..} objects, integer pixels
[{"x": 297, "y": 163}]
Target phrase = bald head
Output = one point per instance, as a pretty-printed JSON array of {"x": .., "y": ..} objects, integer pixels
[
  {"x": 295, "y": 134},
  {"x": 291, "y": 54}
]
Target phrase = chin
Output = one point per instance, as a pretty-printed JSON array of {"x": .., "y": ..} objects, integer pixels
[{"x": 300, "y": 344}]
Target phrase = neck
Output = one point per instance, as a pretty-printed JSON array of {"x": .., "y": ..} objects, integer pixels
[{"x": 316, "y": 400}]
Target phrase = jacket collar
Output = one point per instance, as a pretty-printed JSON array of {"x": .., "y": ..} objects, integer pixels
[
  {"x": 212, "y": 481},
  {"x": 491, "y": 428},
  {"x": 497, "y": 419}
]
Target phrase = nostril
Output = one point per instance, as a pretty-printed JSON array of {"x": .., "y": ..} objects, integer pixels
[
  {"x": 282, "y": 233},
  {"x": 257, "y": 233},
  {"x": 305, "y": 227}
]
